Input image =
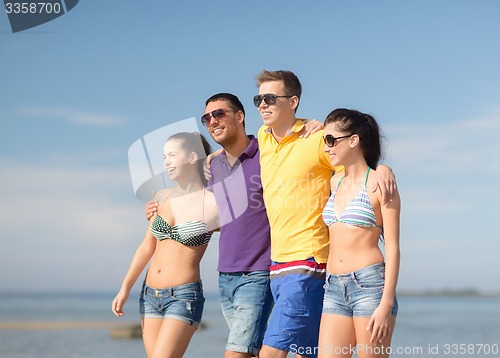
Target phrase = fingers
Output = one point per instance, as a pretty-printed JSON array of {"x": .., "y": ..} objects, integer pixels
[
  {"x": 151, "y": 209},
  {"x": 117, "y": 307}
]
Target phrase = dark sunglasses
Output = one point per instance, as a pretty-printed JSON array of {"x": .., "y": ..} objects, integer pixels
[
  {"x": 269, "y": 99},
  {"x": 216, "y": 114},
  {"x": 330, "y": 140}
]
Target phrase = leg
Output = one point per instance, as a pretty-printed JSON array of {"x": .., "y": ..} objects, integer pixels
[
  {"x": 173, "y": 339},
  {"x": 150, "y": 329},
  {"x": 375, "y": 349},
  {"x": 294, "y": 323},
  {"x": 270, "y": 352},
  {"x": 336, "y": 336},
  {"x": 251, "y": 303}
]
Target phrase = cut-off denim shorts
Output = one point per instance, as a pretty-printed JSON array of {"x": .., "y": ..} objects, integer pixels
[
  {"x": 357, "y": 293},
  {"x": 184, "y": 302}
]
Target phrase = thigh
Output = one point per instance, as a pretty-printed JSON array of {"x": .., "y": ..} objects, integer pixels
[
  {"x": 226, "y": 297},
  {"x": 363, "y": 336},
  {"x": 337, "y": 337},
  {"x": 173, "y": 338},
  {"x": 252, "y": 303},
  {"x": 294, "y": 322},
  {"x": 150, "y": 329}
]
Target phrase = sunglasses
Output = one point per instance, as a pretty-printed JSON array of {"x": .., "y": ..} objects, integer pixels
[
  {"x": 269, "y": 99},
  {"x": 216, "y": 114},
  {"x": 330, "y": 140}
]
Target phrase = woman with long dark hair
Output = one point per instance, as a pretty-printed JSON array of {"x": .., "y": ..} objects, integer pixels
[{"x": 360, "y": 305}]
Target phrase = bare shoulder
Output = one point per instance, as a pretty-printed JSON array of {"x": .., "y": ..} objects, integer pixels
[
  {"x": 335, "y": 179},
  {"x": 162, "y": 195}
]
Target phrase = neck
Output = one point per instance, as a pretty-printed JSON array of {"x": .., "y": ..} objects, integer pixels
[
  {"x": 237, "y": 147},
  {"x": 190, "y": 183},
  {"x": 279, "y": 132},
  {"x": 356, "y": 170}
]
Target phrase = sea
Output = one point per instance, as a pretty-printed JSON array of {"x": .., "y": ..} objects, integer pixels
[{"x": 67, "y": 325}]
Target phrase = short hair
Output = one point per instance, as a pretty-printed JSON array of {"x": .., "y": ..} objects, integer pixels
[
  {"x": 362, "y": 124},
  {"x": 290, "y": 81},
  {"x": 234, "y": 102}
]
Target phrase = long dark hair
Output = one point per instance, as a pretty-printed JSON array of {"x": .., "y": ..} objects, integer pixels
[
  {"x": 195, "y": 142},
  {"x": 362, "y": 124}
]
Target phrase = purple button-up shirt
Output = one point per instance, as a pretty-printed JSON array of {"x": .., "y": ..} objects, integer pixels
[{"x": 244, "y": 243}]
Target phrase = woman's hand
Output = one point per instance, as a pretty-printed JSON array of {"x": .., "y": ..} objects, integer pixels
[
  {"x": 379, "y": 323},
  {"x": 151, "y": 208},
  {"x": 311, "y": 127},
  {"x": 119, "y": 302}
]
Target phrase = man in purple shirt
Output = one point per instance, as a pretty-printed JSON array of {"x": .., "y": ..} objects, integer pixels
[{"x": 244, "y": 245}]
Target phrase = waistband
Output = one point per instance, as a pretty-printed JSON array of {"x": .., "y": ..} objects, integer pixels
[
  {"x": 302, "y": 267},
  {"x": 171, "y": 291},
  {"x": 358, "y": 274}
]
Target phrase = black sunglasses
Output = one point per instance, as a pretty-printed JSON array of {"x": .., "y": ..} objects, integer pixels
[
  {"x": 217, "y": 114},
  {"x": 269, "y": 99},
  {"x": 330, "y": 140}
]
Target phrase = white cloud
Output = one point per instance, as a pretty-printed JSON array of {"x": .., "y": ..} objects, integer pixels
[{"x": 72, "y": 116}]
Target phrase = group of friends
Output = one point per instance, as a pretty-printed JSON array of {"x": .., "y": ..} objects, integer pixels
[{"x": 303, "y": 211}]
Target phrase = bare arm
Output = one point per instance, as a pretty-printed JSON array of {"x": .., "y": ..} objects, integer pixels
[
  {"x": 379, "y": 322},
  {"x": 386, "y": 181},
  {"x": 139, "y": 261}
]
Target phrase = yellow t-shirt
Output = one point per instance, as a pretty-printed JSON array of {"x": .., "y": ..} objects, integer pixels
[{"x": 295, "y": 177}]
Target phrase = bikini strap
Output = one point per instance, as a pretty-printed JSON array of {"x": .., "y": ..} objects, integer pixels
[{"x": 368, "y": 171}]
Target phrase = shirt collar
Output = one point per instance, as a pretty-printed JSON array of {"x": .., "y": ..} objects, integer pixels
[{"x": 296, "y": 128}]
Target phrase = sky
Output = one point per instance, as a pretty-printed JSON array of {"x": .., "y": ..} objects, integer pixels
[{"x": 77, "y": 92}]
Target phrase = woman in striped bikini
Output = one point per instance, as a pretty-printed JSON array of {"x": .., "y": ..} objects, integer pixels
[
  {"x": 360, "y": 305},
  {"x": 171, "y": 300}
]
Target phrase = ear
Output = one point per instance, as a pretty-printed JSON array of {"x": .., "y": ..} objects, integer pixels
[
  {"x": 193, "y": 158},
  {"x": 354, "y": 140},
  {"x": 294, "y": 103},
  {"x": 241, "y": 116}
]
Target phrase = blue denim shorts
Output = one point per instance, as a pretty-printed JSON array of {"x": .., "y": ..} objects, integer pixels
[
  {"x": 246, "y": 303},
  {"x": 357, "y": 293},
  {"x": 183, "y": 302},
  {"x": 298, "y": 296}
]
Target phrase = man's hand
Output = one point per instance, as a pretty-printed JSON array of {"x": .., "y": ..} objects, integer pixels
[
  {"x": 386, "y": 181},
  {"x": 151, "y": 207},
  {"x": 310, "y": 128}
]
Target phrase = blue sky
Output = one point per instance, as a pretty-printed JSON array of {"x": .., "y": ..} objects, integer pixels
[{"x": 75, "y": 93}]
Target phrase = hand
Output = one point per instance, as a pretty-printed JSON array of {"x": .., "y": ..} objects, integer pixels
[
  {"x": 386, "y": 181},
  {"x": 379, "y": 323},
  {"x": 118, "y": 303},
  {"x": 208, "y": 160},
  {"x": 151, "y": 208},
  {"x": 310, "y": 128}
]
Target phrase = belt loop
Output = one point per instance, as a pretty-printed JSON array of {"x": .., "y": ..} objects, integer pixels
[{"x": 353, "y": 276}]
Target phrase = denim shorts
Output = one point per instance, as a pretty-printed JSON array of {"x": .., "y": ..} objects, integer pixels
[
  {"x": 183, "y": 302},
  {"x": 298, "y": 296},
  {"x": 246, "y": 303},
  {"x": 357, "y": 293}
]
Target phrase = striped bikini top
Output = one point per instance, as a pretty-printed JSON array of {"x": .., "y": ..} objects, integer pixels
[
  {"x": 358, "y": 213},
  {"x": 190, "y": 233}
]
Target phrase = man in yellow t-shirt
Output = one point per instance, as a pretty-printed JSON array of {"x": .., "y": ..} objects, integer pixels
[{"x": 295, "y": 176}]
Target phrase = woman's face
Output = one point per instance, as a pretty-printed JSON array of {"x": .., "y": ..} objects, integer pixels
[
  {"x": 341, "y": 147},
  {"x": 175, "y": 158}
]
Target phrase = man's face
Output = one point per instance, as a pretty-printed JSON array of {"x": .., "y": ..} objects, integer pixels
[
  {"x": 224, "y": 129},
  {"x": 278, "y": 114}
]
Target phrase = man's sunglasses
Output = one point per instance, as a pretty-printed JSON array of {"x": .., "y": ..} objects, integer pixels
[
  {"x": 216, "y": 114},
  {"x": 269, "y": 99},
  {"x": 330, "y": 140}
]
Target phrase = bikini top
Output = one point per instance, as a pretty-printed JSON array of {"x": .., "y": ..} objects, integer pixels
[
  {"x": 190, "y": 233},
  {"x": 358, "y": 213}
]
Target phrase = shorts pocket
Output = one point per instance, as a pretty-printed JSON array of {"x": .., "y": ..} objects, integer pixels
[{"x": 372, "y": 282}]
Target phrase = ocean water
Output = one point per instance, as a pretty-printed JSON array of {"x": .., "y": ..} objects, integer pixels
[{"x": 426, "y": 327}]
